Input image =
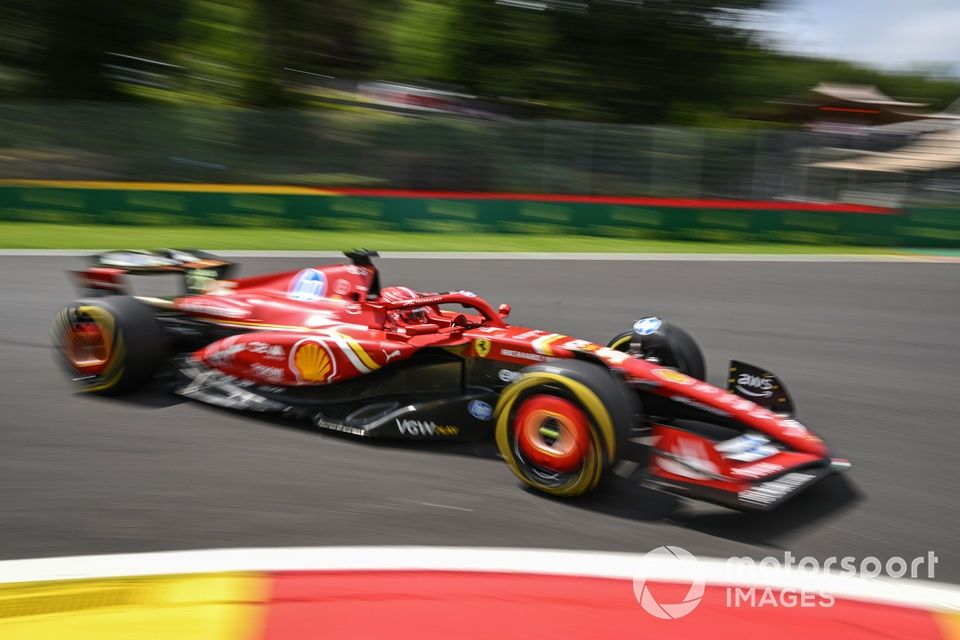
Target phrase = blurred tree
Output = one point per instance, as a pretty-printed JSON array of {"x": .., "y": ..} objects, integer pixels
[
  {"x": 76, "y": 38},
  {"x": 680, "y": 61},
  {"x": 225, "y": 46},
  {"x": 20, "y": 35}
]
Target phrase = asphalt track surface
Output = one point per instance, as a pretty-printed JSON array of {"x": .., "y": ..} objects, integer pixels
[{"x": 869, "y": 351}]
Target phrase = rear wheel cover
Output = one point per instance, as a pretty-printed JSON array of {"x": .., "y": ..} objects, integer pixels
[
  {"x": 91, "y": 346},
  {"x": 108, "y": 345}
]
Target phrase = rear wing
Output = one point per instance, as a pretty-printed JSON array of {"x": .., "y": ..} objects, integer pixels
[{"x": 106, "y": 274}]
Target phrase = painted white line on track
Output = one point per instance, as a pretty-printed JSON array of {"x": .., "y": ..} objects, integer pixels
[
  {"x": 621, "y": 566},
  {"x": 508, "y": 255},
  {"x": 445, "y": 506}
]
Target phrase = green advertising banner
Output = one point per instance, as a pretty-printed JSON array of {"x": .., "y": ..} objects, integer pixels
[{"x": 310, "y": 208}]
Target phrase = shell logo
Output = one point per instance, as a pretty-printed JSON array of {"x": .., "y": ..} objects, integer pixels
[
  {"x": 312, "y": 361},
  {"x": 673, "y": 376}
]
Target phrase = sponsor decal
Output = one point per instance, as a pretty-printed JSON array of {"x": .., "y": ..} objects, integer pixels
[
  {"x": 671, "y": 375},
  {"x": 337, "y": 426},
  {"x": 508, "y": 376},
  {"x": 521, "y": 355},
  {"x": 269, "y": 351},
  {"x": 769, "y": 492},
  {"x": 577, "y": 345},
  {"x": 526, "y": 335},
  {"x": 738, "y": 403},
  {"x": 416, "y": 302},
  {"x": 390, "y": 356},
  {"x": 201, "y": 306},
  {"x": 757, "y": 470},
  {"x": 746, "y": 448},
  {"x": 340, "y": 287},
  {"x": 355, "y": 353},
  {"x": 689, "y": 459},
  {"x": 754, "y": 386},
  {"x": 323, "y": 318},
  {"x": 482, "y": 346},
  {"x": 272, "y": 374},
  {"x": 355, "y": 270},
  {"x": 308, "y": 285},
  {"x": 703, "y": 387},
  {"x": 794, "y": 425},
  {"x": 480, "y": 410},
  {"x": 542, "y": 344},
  {"x": 312, "y": 361},
  {"x": 353, "y": 309},
  {"x": 425, "y": 428},
  {"x": 490, "y": 329},
  {"x": 647, "y": 326},
  {"x": 613, "y": 356},
  {"x": 469, "y": 294},
  {"x": 225, "y": 352}
]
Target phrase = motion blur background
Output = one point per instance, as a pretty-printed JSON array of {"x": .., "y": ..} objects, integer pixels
[
  {"x": 606, "y": 125},
  {"x": 746, "y": 99}
]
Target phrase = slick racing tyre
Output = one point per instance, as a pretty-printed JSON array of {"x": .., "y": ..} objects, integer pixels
[
  {"x": 560, "y": 427},
  {"x": 108, "y": 345},
  {"x": 671, "y": 346}
]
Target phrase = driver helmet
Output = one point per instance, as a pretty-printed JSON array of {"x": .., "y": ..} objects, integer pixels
[{"x": 417, "y": 315}]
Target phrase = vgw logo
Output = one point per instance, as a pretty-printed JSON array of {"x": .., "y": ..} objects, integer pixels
[{"x": 650, "y": 564}]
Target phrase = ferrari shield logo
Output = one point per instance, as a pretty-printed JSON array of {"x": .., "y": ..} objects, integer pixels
[{"x": 482, "y": 347}]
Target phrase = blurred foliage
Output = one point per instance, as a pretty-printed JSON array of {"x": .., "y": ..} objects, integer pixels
[{"x": 692, "y": 62}]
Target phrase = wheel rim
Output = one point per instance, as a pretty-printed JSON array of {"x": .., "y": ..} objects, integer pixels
[
  {"x": 86, "y": 346},
  {"x": 552, "y": 433}
]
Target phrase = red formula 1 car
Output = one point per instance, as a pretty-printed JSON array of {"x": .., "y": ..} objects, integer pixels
[{"x": 329, "y": 345}]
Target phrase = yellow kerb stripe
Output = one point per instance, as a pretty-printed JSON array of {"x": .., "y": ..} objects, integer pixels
[
  {"x": 949, "y": 624},
  {"x": 219, "y": 606}
]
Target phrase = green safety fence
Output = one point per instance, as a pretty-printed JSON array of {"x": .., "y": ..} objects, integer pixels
[{"x": 506, "y": 213}]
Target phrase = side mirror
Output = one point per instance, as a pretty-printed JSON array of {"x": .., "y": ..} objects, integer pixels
[{"x": 503, "y": 310}]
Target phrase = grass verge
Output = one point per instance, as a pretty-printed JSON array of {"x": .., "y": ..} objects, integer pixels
[{"x": 28, "y": 235}]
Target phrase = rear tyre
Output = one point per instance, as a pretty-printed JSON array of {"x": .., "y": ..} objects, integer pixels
[
  {"x": 108, "y": 345},
  {"x": 561, "y": 427},
  {"x": 671, "y": 346}
]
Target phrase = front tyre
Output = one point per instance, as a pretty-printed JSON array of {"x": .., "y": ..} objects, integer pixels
[
  {"x": 560, "y": 427},
  {"x": 108, "y": 345},
  {"x": 669, "y": 345}
]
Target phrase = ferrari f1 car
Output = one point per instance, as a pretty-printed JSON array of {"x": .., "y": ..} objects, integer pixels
[{"x": 329, "y": 345}]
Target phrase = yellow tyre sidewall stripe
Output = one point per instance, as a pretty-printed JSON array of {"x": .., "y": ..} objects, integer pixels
[
  {"x": 220, "y": 606},
  {"x": 619, "y": 343},
  {"x": 593, "y": 465}
]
